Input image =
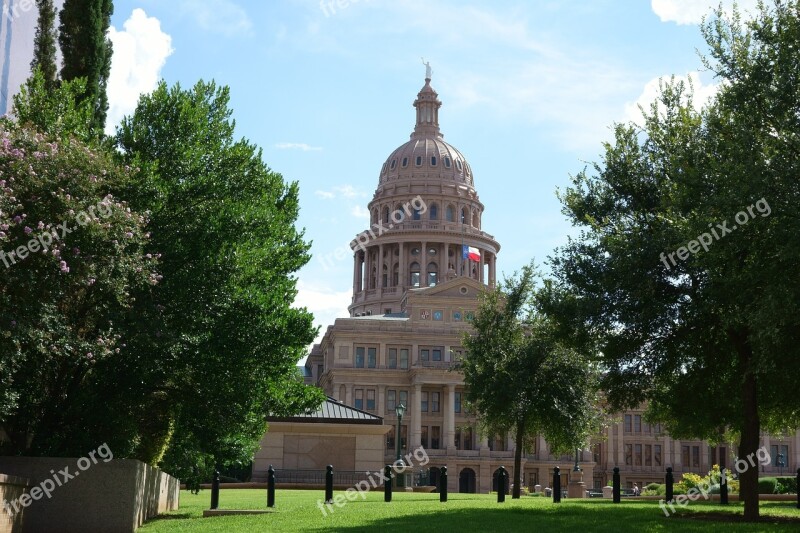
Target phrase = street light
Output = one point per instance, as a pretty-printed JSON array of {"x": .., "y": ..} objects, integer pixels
[
  {"x": 577, "y": 467},
  {"x": 399, "y": 411}
]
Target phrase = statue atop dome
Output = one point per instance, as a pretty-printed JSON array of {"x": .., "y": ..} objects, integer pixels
[{"x": 428, "y": 70}]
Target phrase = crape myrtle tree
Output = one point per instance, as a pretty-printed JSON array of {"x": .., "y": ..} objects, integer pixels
[
  {"x": 520, "y": 378},
  {"x": 219, "y": 339},
  {"x": 71, "y": 255},
  {"x": 682, "y": 274}
]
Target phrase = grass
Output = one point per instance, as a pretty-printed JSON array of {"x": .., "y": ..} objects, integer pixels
[{"x": 297, "y": 510}]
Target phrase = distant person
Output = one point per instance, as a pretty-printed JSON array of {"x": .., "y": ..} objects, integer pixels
[{"x": 636, "y": 490}]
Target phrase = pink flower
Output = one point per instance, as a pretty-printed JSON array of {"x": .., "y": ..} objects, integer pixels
[
  {"x": 64, "y": 268},
  {"x": 28, "y": 230}
]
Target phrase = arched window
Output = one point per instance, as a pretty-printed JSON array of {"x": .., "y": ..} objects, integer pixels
[
  {"x": 464, "y": 219},
  {"x": 414, "y": 281},
  {"x": 385, "y": 215},
  {"x": 385, "y": 276},
  {"x": 396, "y": 275},
  {"x": 433, "y": 276},
  {"x": 416, "y": 215},
  {"x": 434, "y": 212},
  {"x": 374, "y": 216},
  {"x": 450, "y": 214}
]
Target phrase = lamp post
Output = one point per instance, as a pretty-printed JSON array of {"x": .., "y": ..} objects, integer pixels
[
  {"x": 577, "y": 467},
  {"x": 399, "y": 411}
]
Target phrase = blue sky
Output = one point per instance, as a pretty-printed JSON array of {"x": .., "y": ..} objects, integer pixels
[{"x": 530, "y": 91}]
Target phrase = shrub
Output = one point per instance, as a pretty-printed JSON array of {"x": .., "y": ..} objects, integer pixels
[
  {"x": 788, "y": 485},
  {"x": 652, "y": 486},
  {"x": 767, "y": 485}
]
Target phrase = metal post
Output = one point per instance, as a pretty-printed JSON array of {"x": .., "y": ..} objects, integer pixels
[
  {"x": 329, "y": 484},
  {"x": 443, "y": 484},
  {"x": 616, "y": 485},
  {"x": 798, "y": 488},
  {"x": 271, "y": 487},
  {"x": 556, "y": 485},
  {"x": 501, "y": 485},
  {"x": 723, "y": 486},
  {"x": 387, "y": 483},
  {"x": 215, "y": 490},
  {"x": 670, "y": 481}
]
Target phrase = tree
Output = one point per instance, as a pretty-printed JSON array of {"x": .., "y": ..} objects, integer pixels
[
  {"x": 71, "y": 253},
  {"x": 689, "y": 226},
  {"x": 219, "y": 339},
  {"x": 44, "y": 44},
  {"x": 519, "y": 378},
  {"x": 86, "y": 50}
]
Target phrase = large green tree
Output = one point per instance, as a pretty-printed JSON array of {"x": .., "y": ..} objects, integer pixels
[
  {"x": 44, "y": 44},
  {"x": 219, "y": 339},
  {"x": 520, "y": 378},
  {"x": 689, "y": 228},
  {"x": 86, "y": 50}
]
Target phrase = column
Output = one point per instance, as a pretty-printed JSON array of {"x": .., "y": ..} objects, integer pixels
[
  {"x": 450, "y": 418},
  {"x": 380, "y": 404},
  {"x": 480, "y": 267},
  {"x": 359, "y": 271},
  {"x": 380, "y": 270},
  {"x": 403, "y": 267},
  {"x": 355, "y": 272},
  {"x": 610, "y": 448},
  {"x": 620, "y": 446},
  {"x": 368, "y": 269},
  {"x": 423, "y": 267},
  {"x": 415, "y": 424},
  {"x": 459, "y": 260},
  {"x": 349, "y": 392}
]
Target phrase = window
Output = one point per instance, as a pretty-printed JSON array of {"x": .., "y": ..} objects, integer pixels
[
  {"x": 404, "y": 358},
  {"x": 457, "y": 439},
  {"x": 447, "y": 162},
  {"x": 385, "y": 215},
  {"x": 432, "y": 275},
  {"x": 628, "y": 423},
  {"x": 360, "y": 357},
  {"x": 457, "y": 402},
  {"x": 464, "y": 216},
  {"x": 372, "y": 357},
  {"x": 637, "y": 455},
  {"x": 648, "y": 455},
  {"x": 435, "y": 437},
  {"x": 656, "y": 429},
  {"x": 448, "y": 214},
  {"x": 436, "y": 354},
  {"x": 392, "y": 362},
  {"x": 424, "y": 402},
  {"x": 695, "y": 456},
  {"x": 685, "y": 459},
  {"x": 458, "y": 164},
  {"x": 424, "y": 436},
  {"x": 435, "y": 402},
  {"x": 645, "y": 428},
  {"x": 370, "y": 399},
  {"x": 359, "y": 403},
  {"x": 391, "y": 400},
  {"x": 404, "y": 437},
  {"x": 414, "y": 274},
  {"x": 390, "y": 439},
  {"x": 433, "y": 160},
  {"x": 403, "y": 397},
  {"x": 416, "y": 215},
  {"x": 637, "y": 424},
  {"x": 394, "y": 164},
  {"x": 467, "y": 438},
  {"x": 657, "y": 454},
  {"x": 434, "y": 212},
  {"x": 405, "y": 162},
  {"x": 419, "y": 161},
  {"x": 424, "y": 355},
  {"x": 780, "y": 455},
  {"x": 629, "y": 454}
]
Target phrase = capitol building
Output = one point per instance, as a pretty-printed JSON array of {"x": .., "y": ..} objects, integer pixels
[{"x": 417, "y": 274}]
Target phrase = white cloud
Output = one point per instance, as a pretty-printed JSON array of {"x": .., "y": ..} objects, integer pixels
[
  {"x": 693, "y": 11},
  {"x": 219, "y": 16},
  {"x": 298, "y": 146},
  {"x": 140, "y": 51},
  {"x": 327, "y": 195},
  {"x": 341, "y": 191},
  {"x": 325, "y": 303},
  {"x": 359, "y": 211},
  {"x": 701, "y": 95}
]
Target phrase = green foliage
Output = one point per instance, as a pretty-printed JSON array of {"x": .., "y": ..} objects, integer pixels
[
  {"x": 520, "y": 378},
  {"x": 44, "y": 44},
  {"x": 86, "y": 51},
  {"x": 787, "y": 485},
  {"x": 218, "y": 340},
  {"x": 767, "y": 485},
  {"x": 62, "y": 299},
  {"x": 718, "y": 324}
]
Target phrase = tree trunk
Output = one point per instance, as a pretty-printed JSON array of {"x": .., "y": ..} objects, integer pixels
[
  {"x": 518, "y": 461},
  {"x": 750, "y": 431}
]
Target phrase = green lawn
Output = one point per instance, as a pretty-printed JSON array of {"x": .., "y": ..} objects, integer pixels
[{"x": 298, "y": 511}]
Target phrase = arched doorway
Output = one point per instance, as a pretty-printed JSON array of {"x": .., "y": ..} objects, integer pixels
[
  {"x": 435, "y": 476},
  {"x": 466, "y": 481},
  {"x": 496, "y": 481}
]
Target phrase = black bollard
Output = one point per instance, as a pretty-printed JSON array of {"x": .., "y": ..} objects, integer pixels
[
  {"x": 215, "y": 490},
  {"x": 387, "y": 483},
  {"x": 670, "y": 482},
  {"x": 723, "y": 486},
  {"x": 501, "y": 485},
  {"x": 271, "y": 487},
  {"x": 616, "y": 485},
  {"x": 329, "y": 484},
  {"x": 556, "y": 485},
  {"x": 798, "y": 488},
  {"x": 443, "y": 484}
]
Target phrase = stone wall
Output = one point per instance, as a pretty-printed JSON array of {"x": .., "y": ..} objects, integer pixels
[
  {"x": 11, "y": 488},
  {"x": 108, "y": 497}
]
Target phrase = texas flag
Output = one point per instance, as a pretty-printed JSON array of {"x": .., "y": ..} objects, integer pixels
[{"x": 472, "y": 253}]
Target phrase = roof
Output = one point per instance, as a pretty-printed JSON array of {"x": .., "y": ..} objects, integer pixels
[{"x": 332, "y": 412}]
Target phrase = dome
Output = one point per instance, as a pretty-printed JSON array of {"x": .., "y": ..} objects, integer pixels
[{"x": 427, "y": 155}]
